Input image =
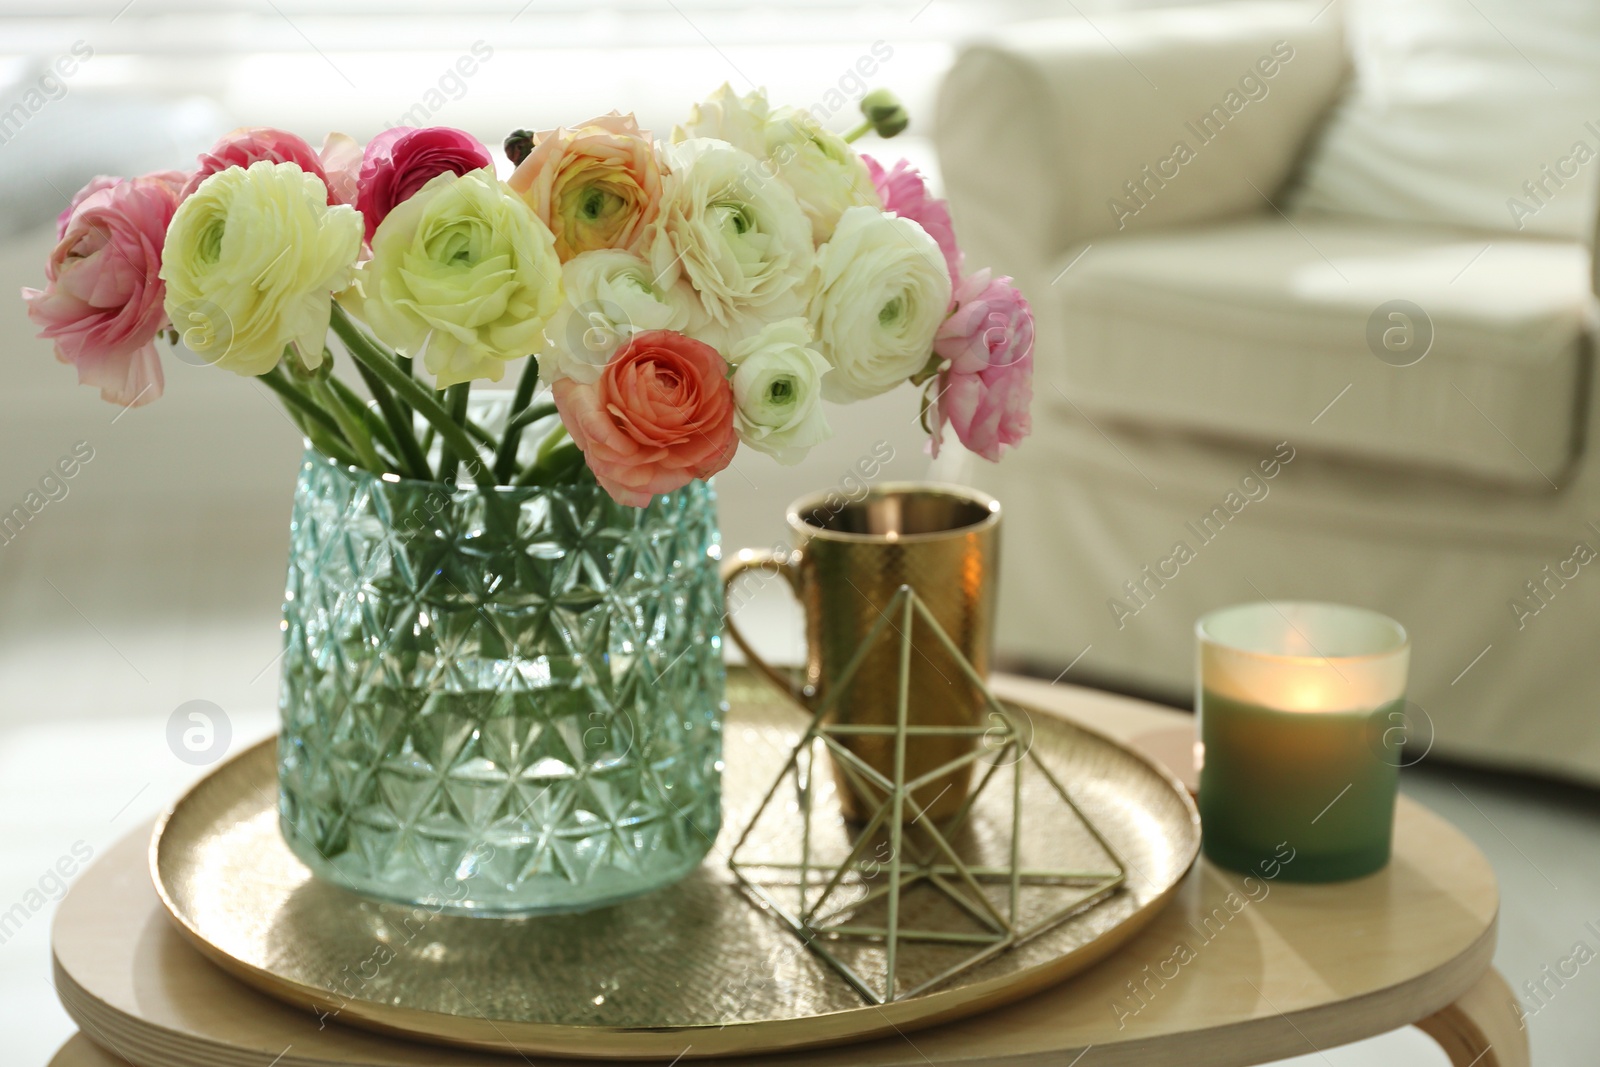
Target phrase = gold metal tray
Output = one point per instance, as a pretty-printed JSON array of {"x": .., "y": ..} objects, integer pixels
[{"x": 690, "y": 971}]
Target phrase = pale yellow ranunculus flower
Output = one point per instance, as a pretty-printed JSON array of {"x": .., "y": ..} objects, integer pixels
[
  {"x": 462, "y": 274},
  {"x": 251, "y": 261}
]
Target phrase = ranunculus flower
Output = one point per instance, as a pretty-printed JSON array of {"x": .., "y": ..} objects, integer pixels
[
  {"x": 595, "y": 186},
  {"x": 777, "y": 391},
  {"x": 341, "y": 157},
  {"x": 659, "y": 416},
  {"x": 905, "y": 192},
  {"x": 94, "y": 185},
  {"x": 882, "y": 291},
  {"x": 252, "y": 259},
  {"x": 726, "y": 116},
  {"x": 462, "y": 274},
  {"x": 176, "y": 179},
  {"x": 252, "y": 144},
  {"x": 102, "y": 300},
  {"x": 986, "y": 391},
  {"x": 610, "y": 295},
  {"x": 400, "y": 161},
  {"x": 825, "y": 173},
  {"x": 737, "y": 234}
]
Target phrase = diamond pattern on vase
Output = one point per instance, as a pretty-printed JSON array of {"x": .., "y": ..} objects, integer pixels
[{"x": 504, "y": 701}]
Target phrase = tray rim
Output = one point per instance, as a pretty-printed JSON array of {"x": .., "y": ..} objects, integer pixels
[{"x": 581, "y": 1042}]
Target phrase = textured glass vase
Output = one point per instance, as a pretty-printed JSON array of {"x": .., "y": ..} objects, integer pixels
[{"x": 501, "y": 701}]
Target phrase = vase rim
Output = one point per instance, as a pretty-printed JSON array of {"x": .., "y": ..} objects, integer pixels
[{"x": 313, "y": 454}]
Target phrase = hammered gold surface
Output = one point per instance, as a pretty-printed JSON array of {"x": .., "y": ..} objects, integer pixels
[
  {"x": 630, "y": 980},
  {"x": 849, "y": 561}
]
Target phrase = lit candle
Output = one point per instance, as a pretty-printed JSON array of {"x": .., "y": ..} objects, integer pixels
[{"x": 1297, "y": 703}]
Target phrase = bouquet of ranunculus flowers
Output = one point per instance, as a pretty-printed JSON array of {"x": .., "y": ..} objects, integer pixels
[{"x": 678, "y": 298}]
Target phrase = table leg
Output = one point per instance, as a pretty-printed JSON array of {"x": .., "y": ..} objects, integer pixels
[{"x": 1482, "y": 1029}]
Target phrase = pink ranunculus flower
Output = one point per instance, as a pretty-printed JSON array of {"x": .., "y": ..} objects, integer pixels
[
  {"x": 251, "y": 144},
  {"x": 341, "y": 160},
  {"x": 986, "y": 391},
  {"x": 905, "y": 193},
  {"x": 175, "y": 178},
  {"x": 102, "y": 300},
  {"x": 400, "y": 161},
  {"x": 660, "y": 416}
]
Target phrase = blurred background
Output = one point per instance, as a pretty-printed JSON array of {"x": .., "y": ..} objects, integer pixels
[{"x": 153, "y": 576}]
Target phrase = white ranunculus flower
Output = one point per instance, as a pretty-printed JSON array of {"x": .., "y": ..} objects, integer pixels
[
  {"x": 736, "y": 233},
  {"x": 726, "y": 116},
  {"x": 881, "y": 291},
  {"x": 825, "y": 173},
  {"x": 610, "y": 294},
  {"x": 777, "y": 391}
]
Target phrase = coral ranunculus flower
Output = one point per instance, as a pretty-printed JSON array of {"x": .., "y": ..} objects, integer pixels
[
  {"x": 660, "y": 416},
  {"x": 596, "y": 185}
]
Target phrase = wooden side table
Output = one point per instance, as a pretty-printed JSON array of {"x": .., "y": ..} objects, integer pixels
[{"x": 1228, "y": 975}]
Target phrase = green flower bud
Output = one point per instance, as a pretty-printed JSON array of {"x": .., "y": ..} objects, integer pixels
[{"x": 886, "y": 113}]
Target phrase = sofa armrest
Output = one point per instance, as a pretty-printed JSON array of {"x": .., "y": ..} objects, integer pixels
[{"x": 1052, "y": 133}]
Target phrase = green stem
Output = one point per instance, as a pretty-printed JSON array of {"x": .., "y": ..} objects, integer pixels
[
  {"x": 367, "y": 352},
  {"x": 375, "y": 427},
  {"x": 413, "y": 458},
  {"x": 859, "y": 132},
  {"x": 312, "y": 420},
  {"x": 455, "y": 399},
  {"x": 355, "y": 428},
  {"x": 557, "y": 457},
  {"x": 505, "y": 460}
]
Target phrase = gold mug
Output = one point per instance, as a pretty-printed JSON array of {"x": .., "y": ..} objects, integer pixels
[{"x": 850, "y": 559}]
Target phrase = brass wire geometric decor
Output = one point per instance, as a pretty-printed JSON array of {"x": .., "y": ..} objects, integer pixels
[{"x": 902, "y": 899}]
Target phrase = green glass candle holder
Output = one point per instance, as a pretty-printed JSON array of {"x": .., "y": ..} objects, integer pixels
[{"x": 1296, "y": 702}]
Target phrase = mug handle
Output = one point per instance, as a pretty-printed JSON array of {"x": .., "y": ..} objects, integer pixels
[{"x": 788, "y": 568}]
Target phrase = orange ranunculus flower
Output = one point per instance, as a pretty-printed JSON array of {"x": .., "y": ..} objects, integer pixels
[
  {"x": 660, "y": 416},
  {"x": 595, "y": 185}
]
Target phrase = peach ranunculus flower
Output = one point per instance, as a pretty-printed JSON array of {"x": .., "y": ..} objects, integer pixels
[
  {"x": 660, "y": 416},
  {"x": 596, "y": 185}
]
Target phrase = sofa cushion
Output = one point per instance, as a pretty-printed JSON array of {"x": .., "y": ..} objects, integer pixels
[
  {"x": 1466, "y": 112},
  {"x": 1281, "y": 329}
]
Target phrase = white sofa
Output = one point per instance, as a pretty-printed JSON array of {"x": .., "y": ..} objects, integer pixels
[{"x": 1229, "y": 405}]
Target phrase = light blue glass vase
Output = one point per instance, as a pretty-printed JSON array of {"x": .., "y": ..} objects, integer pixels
[{"x": 506, "y": 701}]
